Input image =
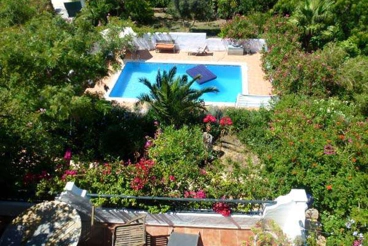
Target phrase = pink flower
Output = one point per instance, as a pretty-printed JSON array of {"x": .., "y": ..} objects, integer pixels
[
  {"x": 148, "y": 144},
  {"x": 202, "y": 172},
  {"x": 329, "y": 150},
  {"x": 172, "y": 178},
  {"x": 209, "y": 119},
  {"x": 200, "y": 194},
  {"x": 186, "y": 194},
  {"x": 68, "y": 154}
]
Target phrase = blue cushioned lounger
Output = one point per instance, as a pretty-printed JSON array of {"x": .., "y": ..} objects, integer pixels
[{"x": 206, "y": 75}]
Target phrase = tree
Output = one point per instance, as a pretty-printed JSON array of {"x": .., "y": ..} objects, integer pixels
[
  {"x": 191, "y": 10},
  {"x": 314, "y": 18},
  {"x": 172, "y": 99},
  {"x": 19, "y": 12},
  {"x": 352, "y": 19}
]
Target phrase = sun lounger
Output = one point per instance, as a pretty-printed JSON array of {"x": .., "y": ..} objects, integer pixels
[
  {"x": 202, "y": 51},
  {"x": 165, "y": 47}
]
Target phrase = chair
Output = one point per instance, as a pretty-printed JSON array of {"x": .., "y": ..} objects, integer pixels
[
  {"x": 133, "y": 233},
  {"x": 200, "y": 52},
  {"x": 183, "y": 239}
]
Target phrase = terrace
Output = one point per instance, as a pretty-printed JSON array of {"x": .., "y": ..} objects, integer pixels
[{"x": 97, "y": 224}]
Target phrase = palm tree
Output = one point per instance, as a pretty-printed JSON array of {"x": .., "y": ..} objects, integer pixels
[
  {"x": 172, "y": 99},
  {"x": 314, "y": 18}
]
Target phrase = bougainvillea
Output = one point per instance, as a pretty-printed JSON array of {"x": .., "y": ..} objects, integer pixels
[{"x": 222, "y": 208}]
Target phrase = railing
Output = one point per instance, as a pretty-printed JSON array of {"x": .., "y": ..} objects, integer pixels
[{"x": 197, "y": 204}]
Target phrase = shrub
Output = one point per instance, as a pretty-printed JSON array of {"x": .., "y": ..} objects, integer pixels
[
  {"x": 250, "y": 126},
  {"x": 320, "y": 145}
]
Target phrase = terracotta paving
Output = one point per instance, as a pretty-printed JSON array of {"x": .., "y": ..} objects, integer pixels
[{"x": 257, "y": 84}]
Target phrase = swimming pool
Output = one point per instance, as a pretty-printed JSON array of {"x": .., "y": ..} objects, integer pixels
[{"x": 230, "y": 80}]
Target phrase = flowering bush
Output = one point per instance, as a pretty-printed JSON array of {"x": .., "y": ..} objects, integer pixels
[
  {"x": 173, "y": 166},
  {"x": 320, "y": 145},
  {"x": 217, "y": 128}
]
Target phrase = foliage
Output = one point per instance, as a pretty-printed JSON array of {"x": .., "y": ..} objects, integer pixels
[
  {"x": 285, "y": 7},
  {"x": 191, "y": 10},
  {"x": 182, "y": 145},
  {"x": 267, "y": 232},
  {"x": 174, "y": 171},
  {"x": 282, "y": 40},
  {"x": 351, "y": 17},
  {"x": 159, "y": 3},
  {"x": 138, "y": 10},
  {"x": 230, "y": 8},
  {"x": 314, "y": 18},
  {"x": 98, "y": 12},
  {"x": 19, "y": 12},
  {"x": 353, "y": 76},
  {"x": 244, "y": 27},
  {"x": 172, "y": 99},
  {"x": 319, "y": 145},
  {"x": 310, "y": 74},
  {"x": 250, "y": 125}
]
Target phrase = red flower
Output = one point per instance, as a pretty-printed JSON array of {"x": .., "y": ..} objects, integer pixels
[
  {"x": 222, "y": 208},
  {"x": 226, "y": 121},
  {"x": 172, "y": 178},
  {"x": 209, "y": 119},
  {"x": 137, "y": 183},
  {"x": 329, "y": 187},
  {"x": 69, "y": 173}
]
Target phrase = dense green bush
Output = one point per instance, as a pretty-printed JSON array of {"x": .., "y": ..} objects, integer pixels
[
  {"x": 250, "y": 126},
  {"x": 244, "y": 27},
  {"x": 310, "y": 74}
]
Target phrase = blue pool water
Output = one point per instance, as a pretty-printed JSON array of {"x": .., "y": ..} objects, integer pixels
[{"x": 228, "y": 81}]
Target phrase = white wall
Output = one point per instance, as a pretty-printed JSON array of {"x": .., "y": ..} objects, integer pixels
[
  {"x": 189, "y": 41},
  {"x": 289, "y": 212}
]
